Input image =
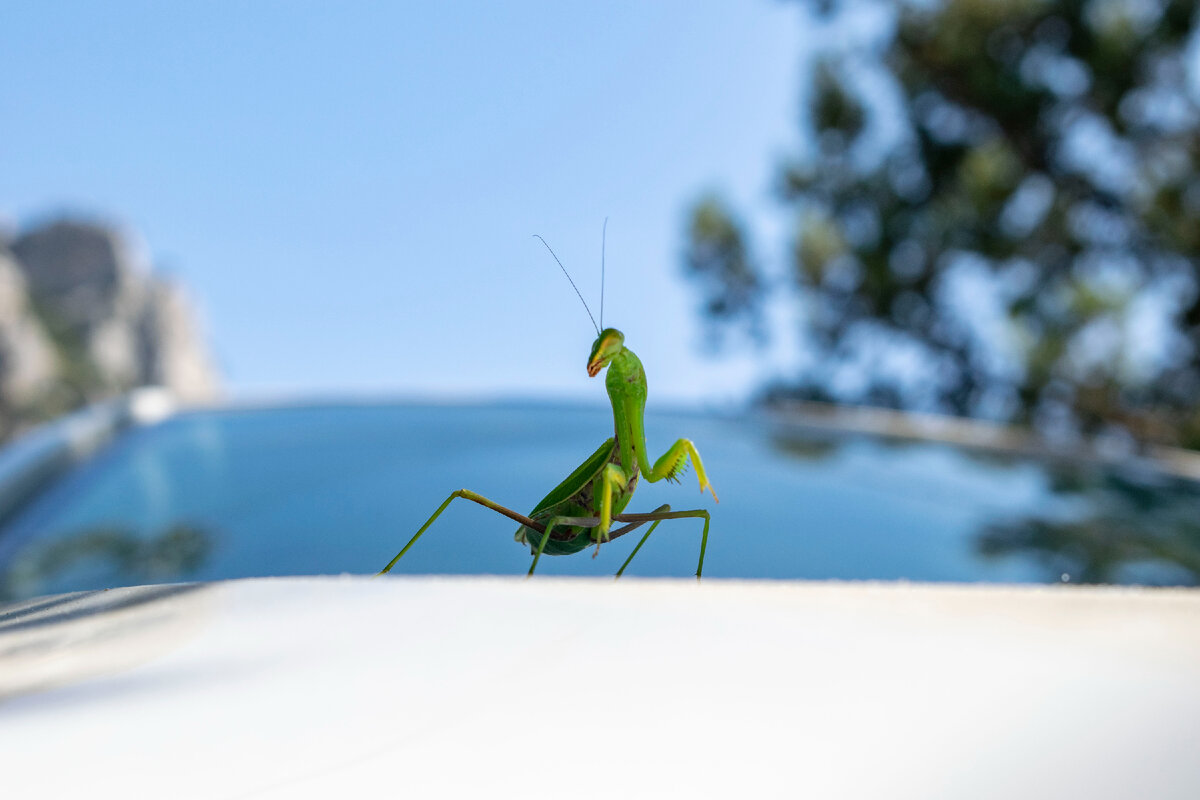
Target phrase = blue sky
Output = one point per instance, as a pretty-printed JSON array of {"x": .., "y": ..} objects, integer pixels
[{"x": 350, "y": 190}]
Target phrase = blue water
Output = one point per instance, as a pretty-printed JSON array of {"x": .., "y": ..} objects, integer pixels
[{"x": 330, "y": 489}]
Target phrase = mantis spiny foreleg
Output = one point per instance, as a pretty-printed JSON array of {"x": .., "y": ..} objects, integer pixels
[
  {"x": 611, "y": 480},
  {"x": 673, "y": 461},
  {"x": 629, "y": 415}
]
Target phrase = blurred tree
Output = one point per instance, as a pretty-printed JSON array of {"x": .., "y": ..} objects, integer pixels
[
  {"x": 717, "y": 256},
  {"x": 1133, "y": 528},
  {"x": 999, "y": 216}
]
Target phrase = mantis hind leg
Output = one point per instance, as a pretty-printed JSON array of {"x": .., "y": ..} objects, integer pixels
[
  {"x": 642, "y": 541},
  {"x": 466, "y": 494},
  {"x": 657, "y": 516}
]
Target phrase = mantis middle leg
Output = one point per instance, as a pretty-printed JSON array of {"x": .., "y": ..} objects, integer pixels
[
  {"x": 642, "y": 541},
  {"x": 657, "y": 516}
]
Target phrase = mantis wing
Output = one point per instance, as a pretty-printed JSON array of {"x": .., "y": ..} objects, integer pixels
[{"x": 577, "y": 479}]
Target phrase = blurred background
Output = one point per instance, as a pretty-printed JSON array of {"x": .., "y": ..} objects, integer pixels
[
  {"x": 349, "y": 194},
  {"x": 981, "y": 209},
  {"x": 993, "y": 214}
]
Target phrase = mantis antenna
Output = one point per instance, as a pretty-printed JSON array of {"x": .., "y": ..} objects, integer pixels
[
  {"x": 573, "y": 286},
  {"x": 603, "y": 237}
]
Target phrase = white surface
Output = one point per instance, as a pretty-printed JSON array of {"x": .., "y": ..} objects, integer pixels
[{"x": 587, "y": 688}]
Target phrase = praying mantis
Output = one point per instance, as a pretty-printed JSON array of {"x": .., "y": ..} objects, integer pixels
[{"x": 580, "y": 511}]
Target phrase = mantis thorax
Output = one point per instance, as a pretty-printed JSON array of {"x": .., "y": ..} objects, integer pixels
[
  {"x": 626, "y": 379},
  {"x": 626, "y": 385}
]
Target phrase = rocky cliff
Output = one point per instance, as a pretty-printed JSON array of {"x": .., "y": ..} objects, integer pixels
[{"x": 82, "y": 318}]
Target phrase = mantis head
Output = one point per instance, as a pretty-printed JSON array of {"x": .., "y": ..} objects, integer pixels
[{"x": 608, "y": 344}]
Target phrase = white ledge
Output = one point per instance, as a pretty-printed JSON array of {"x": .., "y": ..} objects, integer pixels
[{"x": 497, "y": 687}]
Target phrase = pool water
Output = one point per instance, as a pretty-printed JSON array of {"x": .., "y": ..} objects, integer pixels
[{"x": 327, "y": 489}]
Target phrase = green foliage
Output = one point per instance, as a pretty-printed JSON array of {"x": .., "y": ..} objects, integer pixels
[
  {"x": 717, "y": 256},
  {"x": 1020, "y": 210}
]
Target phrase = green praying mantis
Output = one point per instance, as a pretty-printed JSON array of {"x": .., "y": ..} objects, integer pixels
[{"x": 581, "y": 510}]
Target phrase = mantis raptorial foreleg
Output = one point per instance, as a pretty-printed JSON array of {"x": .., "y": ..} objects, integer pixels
[
  {"x": 611, "y": 480},
  {"x": 629, "y": 412},
  {"x": 468, "y": 495},
  {"x": 671, "y": 462}
]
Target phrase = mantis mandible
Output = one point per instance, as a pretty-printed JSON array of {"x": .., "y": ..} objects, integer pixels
[{"x": 580, "y": 511}]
